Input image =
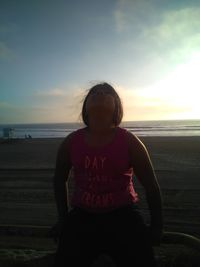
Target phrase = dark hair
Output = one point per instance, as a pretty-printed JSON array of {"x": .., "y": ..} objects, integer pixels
[{"x": 107, "y": 89}]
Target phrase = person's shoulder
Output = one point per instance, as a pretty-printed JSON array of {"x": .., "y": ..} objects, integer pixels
[
  {"x": 67, "y": 139},
  {"x": 134, "y": 141}
]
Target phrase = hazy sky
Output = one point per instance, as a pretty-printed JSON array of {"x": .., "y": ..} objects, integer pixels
[{"x": 51, "y": 52}]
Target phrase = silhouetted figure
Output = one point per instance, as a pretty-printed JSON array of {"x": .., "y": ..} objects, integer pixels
[{"x": 105, "y": 216}]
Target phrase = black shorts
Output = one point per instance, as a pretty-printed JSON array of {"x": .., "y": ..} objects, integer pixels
[{"x": 121, "y": 234}]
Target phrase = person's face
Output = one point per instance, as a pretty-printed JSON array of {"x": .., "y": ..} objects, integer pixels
[{"x": 100, "y": 110}]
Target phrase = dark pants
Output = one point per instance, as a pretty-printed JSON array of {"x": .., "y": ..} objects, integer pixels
[{"x": 121, "y": 234}]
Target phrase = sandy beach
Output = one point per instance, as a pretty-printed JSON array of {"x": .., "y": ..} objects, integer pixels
[{"x": 27, "y": 203}]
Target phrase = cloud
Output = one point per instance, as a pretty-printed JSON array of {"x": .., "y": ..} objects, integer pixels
[
  {"x": 133, "y": 15},
  {"x": 56, "y": 92},
  {"x": 120, "y": 20},
  {"x": 8, "y": 27},
  {"x": 54, "y": 105},
  {"x": 5, "y": 105},
  {"x": 156, "y": 38},
  {"x": 177, "y": 35},
  {"x": 11, "y": 113},
  {"x": 5, "y": 51},
  {"x": 151, "y": 103}
]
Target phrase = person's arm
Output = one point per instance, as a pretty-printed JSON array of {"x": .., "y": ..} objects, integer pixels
[
  {"x": 62, "y": 169},
  {"x": 144, "y": 172}
]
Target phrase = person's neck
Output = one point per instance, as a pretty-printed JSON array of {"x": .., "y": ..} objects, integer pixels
[{"x": 102, "y": 132}]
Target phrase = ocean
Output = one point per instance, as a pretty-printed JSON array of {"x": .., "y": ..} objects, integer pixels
[{"x": 140, "y": 128}]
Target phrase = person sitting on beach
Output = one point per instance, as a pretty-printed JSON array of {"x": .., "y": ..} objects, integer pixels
[{"x": 105, "y": 216}]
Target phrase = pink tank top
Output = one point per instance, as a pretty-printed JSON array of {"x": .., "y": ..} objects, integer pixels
[{"x": 102, "y": 175}]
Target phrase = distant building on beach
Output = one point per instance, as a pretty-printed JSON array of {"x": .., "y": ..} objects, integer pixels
[{"x": 8, "y": 133}]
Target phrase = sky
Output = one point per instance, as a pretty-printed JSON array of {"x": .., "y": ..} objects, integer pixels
[{"x": 52, "y": 52}]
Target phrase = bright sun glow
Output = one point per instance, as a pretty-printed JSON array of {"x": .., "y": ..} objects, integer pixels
[{"x": 180, "y": 90}]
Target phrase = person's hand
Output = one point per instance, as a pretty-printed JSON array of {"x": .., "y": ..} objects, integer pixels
[
  {"x": 56, "y": 230},
  {"x": 155, "y": 234}
]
